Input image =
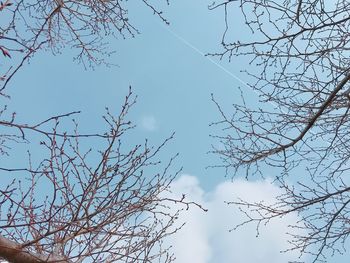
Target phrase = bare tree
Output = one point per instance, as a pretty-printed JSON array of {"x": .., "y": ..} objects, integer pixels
[
  {"x": 84, "y": 25},
  {"x": 85, "y": 205},
  {"x": 298, "y": 56},
  {"x": 78, "y": 197}
]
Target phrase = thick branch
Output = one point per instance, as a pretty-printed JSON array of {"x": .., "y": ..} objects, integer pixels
[
  {"x": 13, "y": 252},
  {"x": 309, "y": 125}
]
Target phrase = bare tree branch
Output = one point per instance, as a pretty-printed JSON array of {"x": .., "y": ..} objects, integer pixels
[
  {"x": 298, "y": 64},
  {"x": 105, "y": 205},
  {"x": 52, "y": 25}
]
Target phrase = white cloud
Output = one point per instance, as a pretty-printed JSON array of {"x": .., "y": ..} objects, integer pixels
[
  {"x": 149, "y": 123},
  {"x": 206, "y": 238},
  {"x": 191, "y": 243}
]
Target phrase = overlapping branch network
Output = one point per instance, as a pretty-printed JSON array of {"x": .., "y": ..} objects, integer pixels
[
  {"x": 86, "y": 26},
  {"x": 298, "y": 56},
  {"x": 86, "y": 205},
  {"x": 108, "y": 202}
]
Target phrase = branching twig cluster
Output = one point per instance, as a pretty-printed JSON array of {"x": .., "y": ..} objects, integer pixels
[
  {"x": 299, "y": 60},
  {"x": 93, "y": 205},
  {"x": 84, "y": 25},
  {"x": 70, "y": 203}
]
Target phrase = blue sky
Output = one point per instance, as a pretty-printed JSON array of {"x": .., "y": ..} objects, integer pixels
[{"x": 173, "y": 80}]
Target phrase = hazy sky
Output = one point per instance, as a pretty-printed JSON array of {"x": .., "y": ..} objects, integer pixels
[{"x": 167, "y": 69}]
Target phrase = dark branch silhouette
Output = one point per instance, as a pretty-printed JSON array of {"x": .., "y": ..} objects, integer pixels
[
  {"x": 79, "y": 204},
  {"x": 298, "y": 56},
  {"x": 51, "y": 25},
  {"x": 78, "y": 197}
]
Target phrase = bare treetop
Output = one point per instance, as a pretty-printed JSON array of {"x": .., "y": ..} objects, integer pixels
[
  {"x": 79, "y": 204},
  {"x": 78, "y": 197},
  {"x": 85, "y": 26},
  {"x": 299, "y": 65}
]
